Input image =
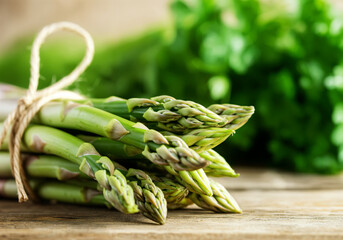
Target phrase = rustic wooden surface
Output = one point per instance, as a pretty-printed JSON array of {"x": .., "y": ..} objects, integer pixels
[{"x": 276, "y": 205}]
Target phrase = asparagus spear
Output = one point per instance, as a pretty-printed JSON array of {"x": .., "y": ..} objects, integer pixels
[
  {"x": 203, "y": 139},
  {"x": 47, "y": 166},
  {"x": 149, "y": 197},
  {"x": 221, "y": 201},
  {"x": 182, "y": 204},
  {"x": 173, "y": 192},
  {"x": 163, "y": 111},
  {"x": 195, "y": 181},
  {"x": 218, "y": 166},
  {"x": 235, "y": 115},
  {"x": 113, "y": 183},
  {"x": 59, "y": 191},
  {"x": 5, "y": 166}
]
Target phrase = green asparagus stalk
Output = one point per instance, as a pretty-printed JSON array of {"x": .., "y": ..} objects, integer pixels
[
  {"x": 8, "y": 188},
  {"x": 203, "y": 139},
  {"x": 173, "y": 191},
  {"x": 218, "y": 166},
  {"x": 165, "y": 112},
  {"x": 195, "y": 181},
  {"x": 51, "y": 167},
  {"x": 56, "y": 191},
  {"x": 221, "y": 201},
  {"x": 113, "y": 183},
  {"x": 5, "y": 166},
  {"x": 149, "y": 197},
  {"x": 42, "y": 166},
  {"x": 235, "y": 115},
  {"x": 182, "y": 204}
]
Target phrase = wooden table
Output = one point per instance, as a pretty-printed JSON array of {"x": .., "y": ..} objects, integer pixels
[{"x": 282, "y": 205}]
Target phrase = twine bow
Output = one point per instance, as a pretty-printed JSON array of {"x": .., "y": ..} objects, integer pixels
[{"x": 30, "y": 104}]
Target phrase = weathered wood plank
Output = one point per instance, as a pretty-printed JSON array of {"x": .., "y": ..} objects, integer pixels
[
  {"x": 268, "y": 213},
  {"x": 265, "y": 179},
  {"x": 296, "y": 214}
]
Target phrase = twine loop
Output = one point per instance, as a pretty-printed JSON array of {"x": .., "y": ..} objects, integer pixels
[{"x": 16, "y": 123}]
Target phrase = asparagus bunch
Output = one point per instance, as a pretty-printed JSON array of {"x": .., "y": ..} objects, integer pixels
[{"x": 143, "y": 155}]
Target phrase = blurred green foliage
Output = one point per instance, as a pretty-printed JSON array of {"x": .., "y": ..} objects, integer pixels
[{"x": 284, "y": 57}]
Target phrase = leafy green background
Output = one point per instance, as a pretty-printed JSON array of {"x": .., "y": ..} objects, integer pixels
[{"x": 283, "y": 57}]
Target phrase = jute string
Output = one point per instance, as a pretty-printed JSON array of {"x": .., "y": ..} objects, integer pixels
[{"x": 30, "y": 104}]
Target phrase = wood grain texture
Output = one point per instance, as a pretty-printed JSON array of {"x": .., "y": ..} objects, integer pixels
[
  {"x": 267, "y": 179},
  {"x": 295, "y": 210}
]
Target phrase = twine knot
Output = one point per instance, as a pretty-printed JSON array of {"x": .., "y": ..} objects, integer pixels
[{"x": 16, "y": 123}]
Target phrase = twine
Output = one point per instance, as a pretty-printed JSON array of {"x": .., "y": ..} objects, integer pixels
[{"x": 30, "y": 104}]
